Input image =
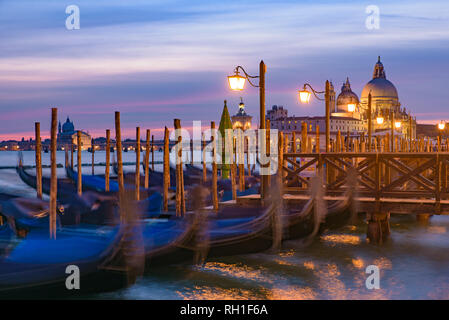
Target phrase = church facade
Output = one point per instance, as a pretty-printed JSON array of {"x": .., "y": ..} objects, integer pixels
[
  {"x": 67, "y": 135},
  {"x": 349, "y": 114},
  {"x": 241, "y": 120}
]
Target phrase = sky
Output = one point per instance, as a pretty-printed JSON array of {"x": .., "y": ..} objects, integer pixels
[{"x": 157, "y": 60}]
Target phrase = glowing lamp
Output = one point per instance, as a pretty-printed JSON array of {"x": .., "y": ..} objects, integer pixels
[
  {"x": 236, "y": 82},
  {"x": 380, "y": 120},
  {"x": 397, "y": 124},
  {"x": 351, "y": 107},
  {"x": 304, "y": 95},
  {"x": 441, "y": 125}
]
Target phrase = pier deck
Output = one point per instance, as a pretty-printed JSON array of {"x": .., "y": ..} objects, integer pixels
[{"x": 364, "y": 204}]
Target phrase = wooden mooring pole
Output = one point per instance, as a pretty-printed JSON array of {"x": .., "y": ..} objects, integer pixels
[
  {"x": 92, "y": 144},
  {"x": 166, "y": 168},
  {"x": 38, "y": 151},
  {"x": 203, "y": 143},
  {"x": 121, "y": 183},
  {"x": 214, "y": 166},
  {"x": 180, "y": 204},
  {"x": 72, "y": 147},
  {"x": 152, "y": 152},
  {"x": 147, "y": 160},
  {"x": 79, "y": 183},
  {"x": 108, "y": 159},
  {"x": 53, "y": 179},
  {"x": 137, "y": 174}
]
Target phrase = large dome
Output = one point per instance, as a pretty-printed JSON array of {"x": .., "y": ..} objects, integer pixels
[
  {"x": 346, "y": 97},
  {"x": 379, "y": 86},
  {"x": 68, "y": 126}
]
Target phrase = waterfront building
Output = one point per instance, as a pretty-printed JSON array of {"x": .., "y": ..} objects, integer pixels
[
  {"x": 67, "y": 135},
  {"x": 241, "y": 120},
  {"x": 349, "y": 114}
]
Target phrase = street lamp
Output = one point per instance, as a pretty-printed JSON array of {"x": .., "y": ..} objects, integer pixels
[
  {"x": 351, "y": 107},
  {"x": 304, "y": 97},
  {"x": 237, "y": 83},
  {"x": 397, "y": 124},
  {"x": 380, "y": 120},
  {"x": 441, "y": 127}
]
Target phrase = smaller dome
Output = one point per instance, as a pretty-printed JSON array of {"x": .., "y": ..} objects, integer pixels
[
  {"x": 346, "y": 97},
  {"x": 68, "y": 126}
]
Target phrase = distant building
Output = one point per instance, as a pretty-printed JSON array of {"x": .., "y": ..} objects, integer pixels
[
  {"x": 68, "y": 135},
  {"x": 241, "y": 120},
  {"x": 354, "y": 119}
]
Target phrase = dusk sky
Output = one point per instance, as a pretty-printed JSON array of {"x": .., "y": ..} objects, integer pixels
[{"x": 157, "y": 60}]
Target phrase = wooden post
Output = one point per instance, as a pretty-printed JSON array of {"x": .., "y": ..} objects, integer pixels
[
  {"x": 38, "y": 153},
  {"x": 241, "y": 159},
  {"x": 203, "y": 153},
  {"x": 248, "y": 164},
  {"x": 53, "y": 179},
  {"x": 152, "y": 152},
  {"x": 147, "y": 160},
  {"x": 338, "y": 142},
  {"x": 304, "y": 137},
  {"x": 230, "y": 147},
  {"x": 108, "y": 159},
  {"x": 268, "y": 165},
  {"x": 392, "y": 132},
  {"x": 214, "y": 167},
  {"x": 166, "y": 168},
  {"x": 294, "y": 142},
  {"x": 180, "y": 204},
  {"x": 137, "y": 177},
  {"x": 71, "y": 154},
  {"x": 369, "y": 122},
  {"x": 79, "y": 147},
  {"x": 280, "y": 158},
  {"x": 328, "y": 115},
  {"x": 410, "y": 130},
  {"x": 121, "y": 182},
  {"x": 264, "y": 179},
  {"x": 92, "y": 145},
  {"x": 191, "y": 151}
]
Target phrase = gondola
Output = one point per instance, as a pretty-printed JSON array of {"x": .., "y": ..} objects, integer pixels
[
  {"x": 66, "y": 188},
  {"x": 36, "y": 266},
  {"x": 40, "y": 263},
  {"x": 242, "y": 235},
  {"x": 151, "y": 204},
  {"x": 92, "y": 182}
]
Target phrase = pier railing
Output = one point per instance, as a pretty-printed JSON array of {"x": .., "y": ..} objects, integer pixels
[{"x": 379, "y": 175}]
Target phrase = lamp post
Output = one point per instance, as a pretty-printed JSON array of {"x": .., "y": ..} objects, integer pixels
[
  {"x": 237, "y": 83},
  {"x": 392, "y": 124},
  {"x": 304, "y": 97},
  {"x": 369, "y": 121},
  {"x": 441, "y": 127}
]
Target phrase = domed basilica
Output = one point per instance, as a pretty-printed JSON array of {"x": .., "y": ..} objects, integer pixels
[
  {"x": 349, "y": 114},
  {"x": 385, "y": 104}
]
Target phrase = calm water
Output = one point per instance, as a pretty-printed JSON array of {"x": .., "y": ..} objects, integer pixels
[{"x": 414, "y": 264}]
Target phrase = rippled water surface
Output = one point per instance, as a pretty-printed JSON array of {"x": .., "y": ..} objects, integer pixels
[{"x": 414, "y": 264}]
